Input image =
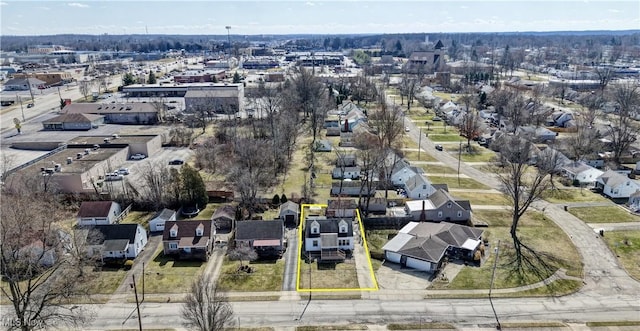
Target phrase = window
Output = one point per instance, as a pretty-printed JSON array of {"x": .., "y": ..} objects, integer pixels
[
  {"x": 449, "y": 205},
  {"x": 315, "y": 243},
  {"x": 424, "y": 187},
  {"x": 459, "y": 213},
  {"x": 440, "y": 214},
  {"x": 173, "y": 233},
  {"x": 173, "y": 245}
]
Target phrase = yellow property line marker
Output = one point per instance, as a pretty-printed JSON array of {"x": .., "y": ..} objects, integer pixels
[{"x": 301, "y": 243}]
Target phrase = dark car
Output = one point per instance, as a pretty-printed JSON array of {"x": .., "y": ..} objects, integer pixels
[
  {"x": 439, "y": 147},
  {"x": 176, "y": 162},
  {"x": 30, "y": 105}
]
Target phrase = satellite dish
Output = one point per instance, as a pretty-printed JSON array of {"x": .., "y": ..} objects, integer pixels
[{"x": 16, "y": 121}]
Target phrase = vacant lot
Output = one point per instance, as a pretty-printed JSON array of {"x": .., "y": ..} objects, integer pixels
[
  {"x": 573, "y": 195},
  {"x": 163, "y": 274},
  {"x": 626, "y": 245},
  {"x": 264, "y": 276},
  {"x": 611, "y": 214},
  {"x": 453, "y": 182},
  {"x": 328, "y": 275},
  {"x": 139, "y": 217},
  {"x": 481, "y": 198},
  {"x": 534, "y": 231}
]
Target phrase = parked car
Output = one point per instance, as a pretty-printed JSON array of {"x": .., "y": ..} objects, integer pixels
[
  {"x": 123, "y": 171},
  {"x": 30, "y": 105},
  {"x": 113, "y": 176},
  {"x": 138, "y": 156},
  {"x": 436, "y": 119},
  {"x": 407, "y": 129},
  {"x": 176, "y": 162},
  {"x": 439, "y": 147}
]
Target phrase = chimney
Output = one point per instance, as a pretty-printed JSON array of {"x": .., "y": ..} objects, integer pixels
[{"x": 423, "y": 216}]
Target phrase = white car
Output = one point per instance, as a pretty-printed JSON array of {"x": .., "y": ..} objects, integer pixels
[
  {"x": 123, "y": 171},
  {"x": 138, "y": 156},
  {"x": 113, "y": 176},
  {"x": 407, "y": 129}
]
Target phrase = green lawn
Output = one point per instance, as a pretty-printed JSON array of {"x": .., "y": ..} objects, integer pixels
[
  {"x": 266, "y": 276},
  {"x": 163, "y": 274},
  {"x": 626, "y": 245},
  {"x": 611, "y": 214},
  {"x": 103, "y": 282},
  {"x": 453, "y": 182},
  {"x": 413, "y": 156},
  {"x": 481, "y": 198},
  {"x": 328, "y": 276},
  {"x": 445, "y": 137},
  {"x": 534, "y": 230},
  {"x": 435, "y": 169},
  {"x": 140, "y": 217},
  {"x": 573, "y": 195}
]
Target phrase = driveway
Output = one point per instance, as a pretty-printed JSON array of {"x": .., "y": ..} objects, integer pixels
[{"x": 143, "y": 259}]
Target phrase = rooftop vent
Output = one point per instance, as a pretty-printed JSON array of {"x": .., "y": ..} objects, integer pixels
[
  {"x": 96, "y": 147},
  {"x": 79, "y": 156},
  {"x": 106, "y": 140},
  {"x": 57, "y": 167},
  {"x": 86, "y": 151},
  {"x": 115, "y": 136}
]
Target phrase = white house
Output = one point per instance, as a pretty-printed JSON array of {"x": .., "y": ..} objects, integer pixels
[
  {"x": 98, "y": 213},
  {"x": 156, "y": 224},
  {"x": 345, "y": 172},
  {"x": 117, "y": 241},
  {"x": 585, "y": 175},
  {"x": 402, "y": 172},
  {"x": 289, "y": 213},
  {"x": 634, "y": 200},
  {"x": 418, "y": 187},
  {"x": 328, "y": 239},
  {"x": 615, "y": 185}
]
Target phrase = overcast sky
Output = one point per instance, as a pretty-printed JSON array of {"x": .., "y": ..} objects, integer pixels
[{"x": 318, "y": 17}]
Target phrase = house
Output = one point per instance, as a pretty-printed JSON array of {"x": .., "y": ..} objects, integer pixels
[
  {"x": 615, "y": 185},
  {"x": 345, "y": 172},
  {"x": 637, "y": 170},
  {"x": 23, "y": 84},
  {"x": 343, "y": 208},
  {"x": 584, "y": 174},
  {"x": 115, "y": 241},
  {"x": 323, "y": 146},
  {"x": 402, "y": 172},
  {"x": 423, "y": 246},
  {"x": 69, "y": 122},
  {"x": 418, "y": 187},
  {"x": 289, "y": 213},
  {"x": 351, "y": 189},
  {"x": 439, "y": 207},
  {"x": 377, "y": 205},
  {"x": 347, "y": 160},
  {"x": 536, "y": 134},
  {"x": 328, "y": 239},
  {"x": 98, "y": 213},
  {"x": 561, "y": 119},
  {"x": 265, "y": 237},
  {"x": 157, "y": 223},
  {"x": 224, "y": 216},
  {"x": 188, "y": 239}
]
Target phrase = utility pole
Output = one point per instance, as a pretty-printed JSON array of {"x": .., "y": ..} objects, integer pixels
[
  {"x": 419, "y": 148},
  {"x": 135, "y": 291},
  {"x": 142, "y": 280},
  {"x": 459, "y": 157},
  {"x": 21, "y": 108},
  {"x": 493, "y": 275}
]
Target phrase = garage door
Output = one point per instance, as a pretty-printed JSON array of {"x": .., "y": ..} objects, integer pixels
[
  {"x": 418, "y": 264},
  {"x": 392, "y": 257}
]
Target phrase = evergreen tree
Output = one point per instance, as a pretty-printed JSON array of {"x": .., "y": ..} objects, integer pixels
[
  {"x": 236, "y": 78},
  {"x": 193, "y": 189},
  {"x": 128, "y": 79},
  {"x": 152, "y": 78}
]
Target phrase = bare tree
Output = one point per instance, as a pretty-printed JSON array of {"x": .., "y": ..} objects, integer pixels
[
  {"x": 249, "y": 170},
  {"x": 584, "y": 141},
  {"x": 522, "y": 188},
  {"x": 85, "y": 87},
  {"x": 243, "y": 253},
  {"x": 387, "y": 124},
  {"x": 206, "y": 308},
  {"x": 156, "y": 180},
  {"x": 307, "y": 94},
  {"x": 37, "y": 274},
  {"x": 591, "y": 104},
  {"x": 471, "y": 126},
  {"x": 623, "y": 130}
]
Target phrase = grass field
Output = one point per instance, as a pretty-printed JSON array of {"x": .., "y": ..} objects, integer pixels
[
  {"x": 163, "y": 274},
  {"x": 453, "y": 182},
  {"x": 267, "y": 276},
  {"x": 328, "y": 276},
  {"x": 534, "y": 230},
  {"x": 481, "y": 198},
  {"x": 436, "y": 169},
  {"x": 626, "y": 245},
  {"x": 573, "y": 195},
  {"x": 445, "y": 137},
  {"x": 611, "y": 214},
  {"x": 413, "y": 156}
]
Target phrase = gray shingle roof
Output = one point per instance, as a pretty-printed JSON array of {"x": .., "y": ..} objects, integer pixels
[
  {"x": 114, "y": 232},
  {"x": 246, "y": 230}
]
